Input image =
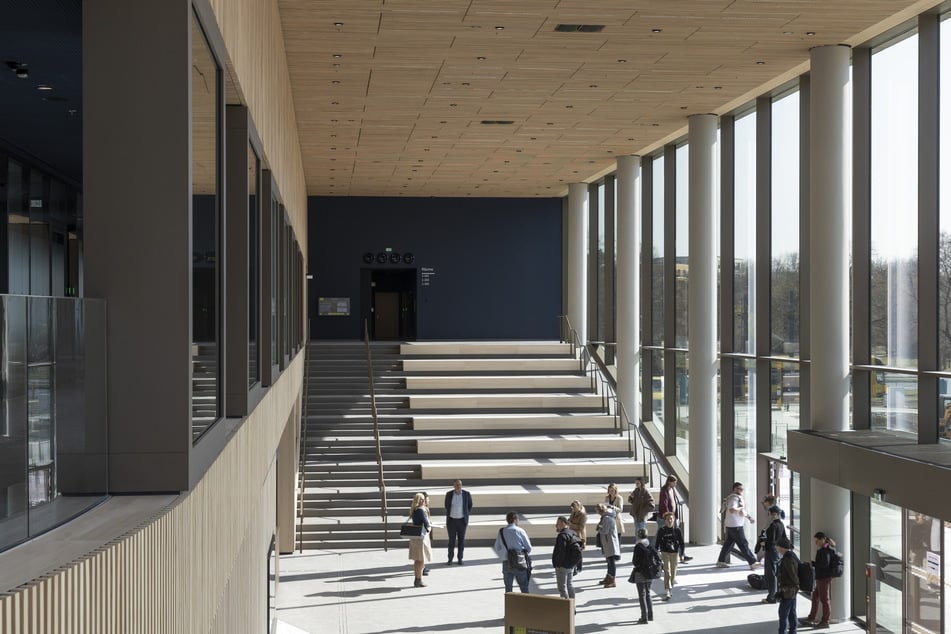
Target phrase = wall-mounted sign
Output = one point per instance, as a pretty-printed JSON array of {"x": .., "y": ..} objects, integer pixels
[
  {"x": 426, "y": 274},
  {"x": 333, "y": 306}
]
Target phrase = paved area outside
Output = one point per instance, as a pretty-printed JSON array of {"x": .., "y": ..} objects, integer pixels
[{"x": 371, "y": 591}]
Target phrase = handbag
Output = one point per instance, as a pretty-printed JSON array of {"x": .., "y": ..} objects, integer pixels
[{"x": 411, "y": 530}]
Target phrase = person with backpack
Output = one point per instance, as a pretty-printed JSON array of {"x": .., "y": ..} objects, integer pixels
[
  {"x": 788, "y": 579},
  {"x": 647, "y": 567},
  {"x": 773, "y": 533},
  {"x": 669, "y": 540},
  {"x": 734, "y": 515},
  {"x": 828, "y": 565},
  {"x": 565, "y": 556}
]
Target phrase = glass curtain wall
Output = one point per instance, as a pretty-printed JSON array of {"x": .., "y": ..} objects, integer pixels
[
  {"x": 44, "y": 231},
  {"x": 743, "y": 301},
  {"x": 657, "y": 293},
  {"x": 784, "y": 269},
  {"x": 944, "y": 237},
  {"x": 206, "y": 234},
  {"x": 681, "y": 387},
  {"x": 601, "y": 260},
  {"x": 894, "y": 234}
]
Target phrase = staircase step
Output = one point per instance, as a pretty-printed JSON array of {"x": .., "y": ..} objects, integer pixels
[
  {"x": 565, "y": 383},
  {"x": 500, "y": 422},
  {"x": 499, "y": 365},
  {"x": 496, "y": 402},
  {"x": 546, "y": 445},
  {"x": 485, "y": 348}
]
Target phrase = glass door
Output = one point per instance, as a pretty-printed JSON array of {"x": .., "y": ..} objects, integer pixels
[{"x": 886, "y": 553}]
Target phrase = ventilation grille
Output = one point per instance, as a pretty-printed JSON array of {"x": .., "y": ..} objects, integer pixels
[{"x": 582, "y": 28}]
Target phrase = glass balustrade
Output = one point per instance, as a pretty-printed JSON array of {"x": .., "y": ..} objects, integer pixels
[{"x": 53, "y": 434}]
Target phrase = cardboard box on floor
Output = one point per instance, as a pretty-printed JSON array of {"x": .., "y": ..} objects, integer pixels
[{"x": 538, "y": 614}]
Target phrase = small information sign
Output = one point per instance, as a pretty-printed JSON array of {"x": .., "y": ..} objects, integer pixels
[{"x": 333, "y": 306}]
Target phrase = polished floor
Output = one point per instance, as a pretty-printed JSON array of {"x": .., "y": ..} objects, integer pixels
[{"x": 371, "y": 591}]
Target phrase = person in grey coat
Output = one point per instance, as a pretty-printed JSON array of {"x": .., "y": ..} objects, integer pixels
[{"x": 609, "y": 542}]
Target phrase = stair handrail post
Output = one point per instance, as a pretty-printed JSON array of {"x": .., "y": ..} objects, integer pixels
[{"x": 376, "y": 436}]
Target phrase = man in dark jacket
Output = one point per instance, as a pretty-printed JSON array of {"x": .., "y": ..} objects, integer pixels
[
  {"x": 458, "y": 505},
  {"x": 788, "y": 580},
  {"x": 565, "y": 556}
]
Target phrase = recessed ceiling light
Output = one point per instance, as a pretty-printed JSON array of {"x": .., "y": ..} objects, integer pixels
[
  {"x": 453, "y": 105},
  {"x": 465, "y": 83},
  {"x": 338, "y": 24},
  {"x": 810, "y": 33},
  {"x": 760, "y": 63},
  {"x": 683, "y": 107},
  {"x": 656, "y": 30},
  {"x": 334, "y": 103},
  {"x": 337, "y": 55},
  {"x": 622, "y": 61},
  {"x": 787, "y": 32},
  {"x": 335, "y": 81},
  {"x": 480, "y": 58},
  {"x": 44, "y": 87},
  {"x": 500, "y": 28},
  {"x": 718, "y": 87},
  {"x": 592, "y": 85}
]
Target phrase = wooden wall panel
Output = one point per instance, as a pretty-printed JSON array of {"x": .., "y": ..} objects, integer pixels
[
  {"x": 255, "y": 41},
  {"x": 199, "y": 567}
]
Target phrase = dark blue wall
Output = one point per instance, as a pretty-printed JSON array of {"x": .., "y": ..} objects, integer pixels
[{"x": 496, "y": 263}]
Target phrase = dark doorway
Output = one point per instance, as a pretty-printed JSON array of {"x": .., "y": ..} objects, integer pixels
[{"x": 391, "y": 298}]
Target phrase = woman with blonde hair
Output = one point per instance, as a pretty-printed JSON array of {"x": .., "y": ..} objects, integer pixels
[
  {"x": 419, "y": 550},
  {"x": 608, "y": 541},
  {"x": 577, "y": 522},
  {"x": 616, "y": 501}
]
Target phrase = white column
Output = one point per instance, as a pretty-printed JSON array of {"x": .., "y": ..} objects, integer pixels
[
  {"x": 578, "y": 258},
  {"x": 701, "y": 328},
  {"x": 829, "y": 216},
  {"x": 628, "y": 296}
]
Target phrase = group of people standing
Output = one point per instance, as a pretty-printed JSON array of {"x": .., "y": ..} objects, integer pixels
[{"x": 780, "y": 563}]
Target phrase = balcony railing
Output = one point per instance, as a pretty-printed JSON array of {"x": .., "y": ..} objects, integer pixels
[{"x": 53, "y": 433}]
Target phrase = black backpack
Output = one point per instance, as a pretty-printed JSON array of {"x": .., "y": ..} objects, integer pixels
[
  {"x": 807, "y": 576},
  {"x": 650, "y": 564},
  {"x": 836, "y": 563},
  {"x": 572, "y": 549}
]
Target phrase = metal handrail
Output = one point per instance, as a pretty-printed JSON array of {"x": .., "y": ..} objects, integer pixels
[
  {"x": 376, "y": 436},
  {"x": 302, "y": 458},
  {"x": 638, "y": 441}
]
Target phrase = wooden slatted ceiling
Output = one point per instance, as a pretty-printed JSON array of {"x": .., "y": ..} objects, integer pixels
[{"x": 391, "y": 101}]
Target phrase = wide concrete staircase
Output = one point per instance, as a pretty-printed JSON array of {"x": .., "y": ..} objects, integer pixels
[{"x": 519, "y": 423}]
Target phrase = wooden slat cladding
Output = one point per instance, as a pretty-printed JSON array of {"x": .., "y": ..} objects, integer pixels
[
  {"x": 198, "y": 568},
  {"x": 253, "y": 36}
]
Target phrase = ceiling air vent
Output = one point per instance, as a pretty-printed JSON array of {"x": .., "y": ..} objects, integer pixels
[
  {"x": 582, "y": 28},
  {"x": 497, "y": 122}
]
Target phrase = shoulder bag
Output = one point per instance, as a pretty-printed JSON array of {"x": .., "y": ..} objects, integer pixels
[
  {"x": 411, "y": 530},
  {"x": 518, "y": 560}
]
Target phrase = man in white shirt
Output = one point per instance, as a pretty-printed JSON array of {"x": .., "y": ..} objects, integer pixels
[
  {"x": 513, "y": 538},
  {"x": 733, "y": 521},
  {"x": 458, "y": 505}
]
